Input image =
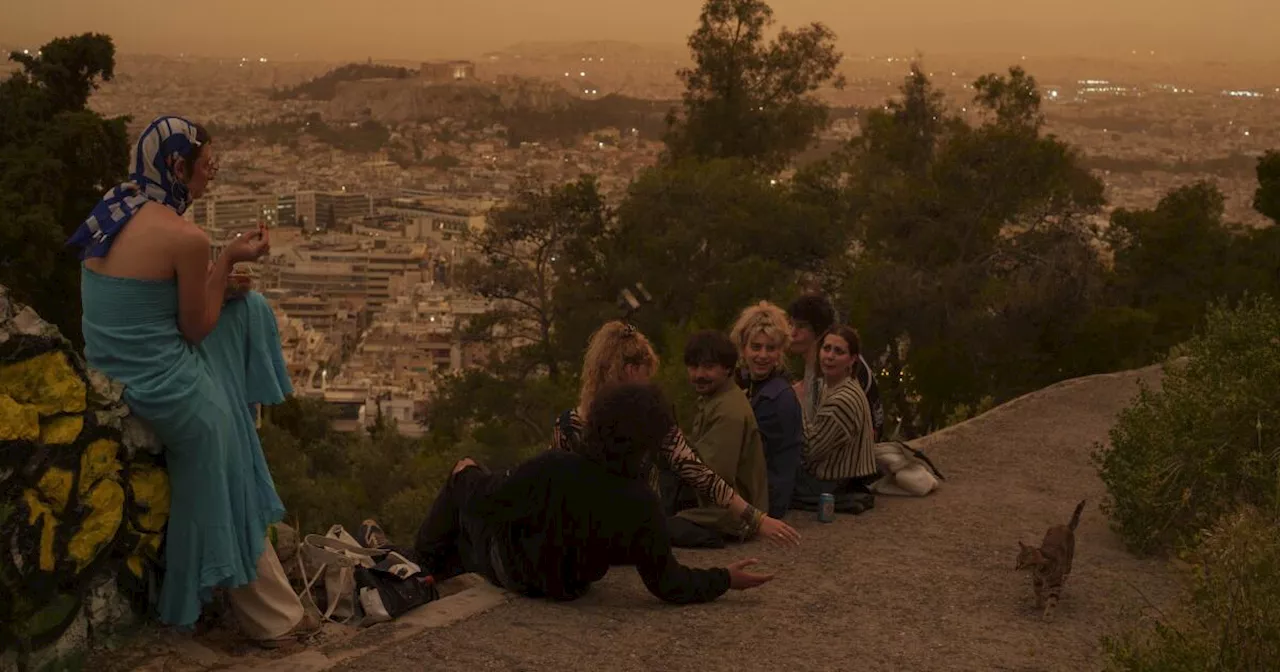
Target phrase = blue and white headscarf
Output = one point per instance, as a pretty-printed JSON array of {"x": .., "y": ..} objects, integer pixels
[{"x": 152, "y": 177}]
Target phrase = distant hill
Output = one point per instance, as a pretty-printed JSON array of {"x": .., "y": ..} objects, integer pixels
[
  {"x": 596, "y": 48},
  {"x": 533, "y": 110},
  {"x": 579, "y": 116},
  {"x": 325, "y": 87}
]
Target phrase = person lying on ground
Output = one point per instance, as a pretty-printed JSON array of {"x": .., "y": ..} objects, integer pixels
[
  {"x": 618, "y": 352},
  {"x": 555, "y": 524}
]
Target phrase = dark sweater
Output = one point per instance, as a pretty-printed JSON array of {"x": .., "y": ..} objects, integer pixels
[
  {"x": 564, "y": 520},
  {"x": 781, "y": 422}
]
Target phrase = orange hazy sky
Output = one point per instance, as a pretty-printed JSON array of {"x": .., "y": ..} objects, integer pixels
[{"x": 409, "y": 29}]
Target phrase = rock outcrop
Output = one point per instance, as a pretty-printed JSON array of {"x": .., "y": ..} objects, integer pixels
[{"x": 84, "y": 498}]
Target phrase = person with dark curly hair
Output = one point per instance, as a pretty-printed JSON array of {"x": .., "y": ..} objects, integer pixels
[
  {"x": 555, "y": 524},
  {"x": 618, "y": 353}
]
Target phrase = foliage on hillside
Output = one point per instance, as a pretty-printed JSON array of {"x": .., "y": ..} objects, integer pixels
[
  {"x": 569, "y": 123},
  {"x": 327, "y": 477},
  {"x": 56, "y": 158},
  {"x": 1183, "y": 457},
  {"x": 1229, "y": 617},
  {"x": 364, "y": 137},
  {"x": 1194, "y": 469},
  {"x": 325, "y": 87}
]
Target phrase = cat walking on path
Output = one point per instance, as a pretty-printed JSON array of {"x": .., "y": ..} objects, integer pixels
[{"x": 1050, "y": 563}]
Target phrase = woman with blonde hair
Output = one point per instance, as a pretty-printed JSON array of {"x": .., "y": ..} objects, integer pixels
[
  {"x": 762, "y": 335},
  {"x": 618, "y": 353}
]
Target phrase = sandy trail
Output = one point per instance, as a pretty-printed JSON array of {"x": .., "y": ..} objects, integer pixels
[{"x": 916, "y": 584}]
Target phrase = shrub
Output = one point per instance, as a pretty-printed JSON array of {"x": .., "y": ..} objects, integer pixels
[
  {"x": 1182, "y": 457},
  {"x": 1230, "y": 618},
  {"x": 326, "y": 477}
]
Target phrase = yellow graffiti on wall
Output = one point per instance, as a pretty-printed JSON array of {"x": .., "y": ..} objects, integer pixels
[
  {"x": 45, "y": 503},
  {"x": 18, "y": 422},
  {"x": 48, "y": 382},
  {"x": 79, "y": 498}
]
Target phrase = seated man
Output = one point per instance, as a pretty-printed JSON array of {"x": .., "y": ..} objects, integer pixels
[
  {"x": 726, "y": 438},
  {"x": 555, "y": 524}
]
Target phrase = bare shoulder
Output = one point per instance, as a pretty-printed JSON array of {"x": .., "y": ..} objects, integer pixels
[{"x": 184, "y": 234}]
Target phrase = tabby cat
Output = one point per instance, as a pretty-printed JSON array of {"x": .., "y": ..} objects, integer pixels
[{"x": 1051, "y": 562}]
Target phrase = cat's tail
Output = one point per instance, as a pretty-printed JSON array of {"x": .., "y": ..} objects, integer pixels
[{"x": 1075, "y": 517}]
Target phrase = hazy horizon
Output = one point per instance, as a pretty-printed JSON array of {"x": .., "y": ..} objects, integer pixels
[{"x": 404, "y": 30}]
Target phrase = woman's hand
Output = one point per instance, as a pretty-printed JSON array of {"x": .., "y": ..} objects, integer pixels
[
  {"x": 741, "y": 579},
  {"x": 248, "y": 247},
  {"x": 779, "y": 532}
]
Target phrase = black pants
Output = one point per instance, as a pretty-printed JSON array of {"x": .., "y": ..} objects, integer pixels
[
  {"x": 676, "y": 497},
  {"x": 453, "y": 540},
  {"x": 851, "y": 494}
]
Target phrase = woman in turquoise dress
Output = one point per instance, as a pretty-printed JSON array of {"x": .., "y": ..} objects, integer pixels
[{"x": 195, "y": 358}]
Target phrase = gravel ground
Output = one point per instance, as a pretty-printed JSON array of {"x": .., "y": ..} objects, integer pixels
[{"x": 916, "y": 584}]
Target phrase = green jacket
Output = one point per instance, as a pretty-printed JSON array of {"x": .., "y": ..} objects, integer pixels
[{"x": 726, "y": 438}]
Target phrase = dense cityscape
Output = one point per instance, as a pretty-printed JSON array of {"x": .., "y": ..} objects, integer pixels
[{"x": 371, "y": 175}]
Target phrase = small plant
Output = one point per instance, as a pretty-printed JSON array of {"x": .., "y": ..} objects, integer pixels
[
  {"x": 1182, "y": 457},
  {"x": 1230, "y": 617}
]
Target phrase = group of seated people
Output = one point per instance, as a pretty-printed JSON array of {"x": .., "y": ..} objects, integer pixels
[
  {"x": 623, "y": 484},
  {"x": 197, "y": 355}
]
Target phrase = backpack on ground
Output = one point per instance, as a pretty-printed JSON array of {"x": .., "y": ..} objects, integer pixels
[
  {"x": 905, "y": 471},
  {"x": 348, "y": 583}
]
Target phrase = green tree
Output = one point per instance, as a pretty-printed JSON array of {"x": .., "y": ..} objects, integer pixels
[
  {"x": 1014, "y": 100},
  {"x": 1183, "y": 456},
  {"x": 56, "y": 159},
  {"x": 748, "y": 99},
  {"x": 501, "y": 414},
  {"x": 1266, "y": 199},
  {"x": 515, "y": 262},
  {"x": 708, "y": 237},
  {"x": 971, "y": 261},
  {"x": 1176, "y": 258}
]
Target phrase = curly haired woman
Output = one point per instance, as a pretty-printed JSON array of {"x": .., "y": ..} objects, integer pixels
[{"x": 619, "y": 353}]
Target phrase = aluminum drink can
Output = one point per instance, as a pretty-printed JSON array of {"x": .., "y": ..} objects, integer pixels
[{"x": 826, "y": 508}]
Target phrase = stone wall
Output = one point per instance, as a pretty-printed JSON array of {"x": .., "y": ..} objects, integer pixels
[{"x": 83, "y": 499}]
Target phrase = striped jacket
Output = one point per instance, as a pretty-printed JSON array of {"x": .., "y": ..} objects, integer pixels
[{"x": 840, "y": 437}]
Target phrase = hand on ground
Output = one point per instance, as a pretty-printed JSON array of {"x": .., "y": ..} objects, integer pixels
[
  {"x": 740, "y": 579},
  {"x": 779, "y": 532}
]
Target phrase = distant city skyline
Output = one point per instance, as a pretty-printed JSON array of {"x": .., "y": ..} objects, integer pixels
[{"x": 407, "y": 30}]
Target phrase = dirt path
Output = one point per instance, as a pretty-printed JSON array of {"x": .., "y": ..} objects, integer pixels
[{"x": 916, "y": 584}]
